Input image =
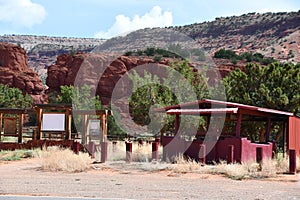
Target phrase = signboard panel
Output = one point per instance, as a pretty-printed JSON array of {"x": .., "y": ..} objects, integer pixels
[
  {"x": 94, "y": 127},
  {"x": 53, "y": 122}
]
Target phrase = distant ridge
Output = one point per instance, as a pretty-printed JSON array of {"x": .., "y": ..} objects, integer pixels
[{"x": 271, "y": 34}]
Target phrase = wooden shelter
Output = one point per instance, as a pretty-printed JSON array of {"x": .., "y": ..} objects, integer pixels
[{"x": 233, "y": 144}]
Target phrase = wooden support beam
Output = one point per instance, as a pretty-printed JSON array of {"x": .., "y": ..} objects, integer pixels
[
  {"x": 268, "y": 128},
  {"x": 104, "y": 124},
  {"x": 176, "y": 124},
  {"x": 207, "y": 122},
  {"x": 39, "y": 112},
  {"x": 1, "y": 126},
  {"x": 84, "y": 129},
  {"x": 20, "y": 129},
  {"x": 68, "y": 124},
  {"x": 238, "y": 125}
]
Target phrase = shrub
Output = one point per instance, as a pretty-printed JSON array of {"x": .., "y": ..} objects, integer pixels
[
  {"x": 57, "y": 159},
  {"x": 15, "y": 155},
  {"x": 157, "y": 58}
]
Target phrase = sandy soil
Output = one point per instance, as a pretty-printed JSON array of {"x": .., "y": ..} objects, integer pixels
[{"x": 121, "y": 180}]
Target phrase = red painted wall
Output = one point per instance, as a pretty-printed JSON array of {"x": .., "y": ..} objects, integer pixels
[
  {"x": 294, "y": 134},
  {"x": 244, "y": 149},
  {"x": 249, "y": 150}
]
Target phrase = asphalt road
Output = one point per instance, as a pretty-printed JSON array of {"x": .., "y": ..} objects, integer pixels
[{"x": 11, "y": 197}]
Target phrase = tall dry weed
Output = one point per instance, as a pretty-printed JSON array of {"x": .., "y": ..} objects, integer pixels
[
  {"x": 57, "y": 159},
  {"x": 238, "y": 171},
  {"x": 183, "y": 165}
]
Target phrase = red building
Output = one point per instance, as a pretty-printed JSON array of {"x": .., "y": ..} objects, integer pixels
[{"x": 246, "y": 132}]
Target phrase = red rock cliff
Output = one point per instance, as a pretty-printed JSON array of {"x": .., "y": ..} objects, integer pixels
[
  {"x": 88, "y": 67},
  {"x": 14, "y": 72},
  {"x": 66, "y": 68}
]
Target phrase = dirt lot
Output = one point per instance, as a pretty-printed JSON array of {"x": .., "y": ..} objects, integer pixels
[{"x": 121, "y": 180}]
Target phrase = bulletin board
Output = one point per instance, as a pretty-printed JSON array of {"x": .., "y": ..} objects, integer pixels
[{"x": 53, "y": 122}]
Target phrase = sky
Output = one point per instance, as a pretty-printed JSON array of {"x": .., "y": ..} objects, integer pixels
[{"x": 109, "y": 18}]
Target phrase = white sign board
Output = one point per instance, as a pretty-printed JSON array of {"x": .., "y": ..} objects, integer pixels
[
  {"x": 94, "y": 127},
  {"x": 53, "y": 122}
]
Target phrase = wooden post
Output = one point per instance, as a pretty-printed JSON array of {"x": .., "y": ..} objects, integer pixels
[
  {"x": 104, "y": 146},
  {"x": 1, "y": 127},
  {"x": 82, "y": 129},
  {"x": 20, "y": 131},
  {"x": 284, "y": 138},
  {"x": 157, "y": 140},
  {"x": 68, "y": 124},
  {"x": 230, "y": 154},
  {"x": 128, "y": 152},
  {"x": 76, "y": 147},
  {"x": 176, "y": 124},
  {"x": 103, "y": 125},
  {"x": 207, "y": 121},
  {"x": 259, "y": 155},
  {"x": 39, "y": 123},
  {"x": 293, "y": 161},
  {"x": 268, "y": 128},
  {"x": 202, "y": 154},
  {"x": 238, "y": 125},
  {"x": 92, "y": 149},
  {"x": 155, "y": 150},
  {"x": 85, "y": 129}
]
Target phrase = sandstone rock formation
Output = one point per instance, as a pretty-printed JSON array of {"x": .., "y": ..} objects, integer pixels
[
  {"x": 103, "y": 71},
  {"x": 100, "y": 71},
  {"x": 14, "y": 72}
]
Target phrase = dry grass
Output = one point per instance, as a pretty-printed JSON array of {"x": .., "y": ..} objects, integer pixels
[
  {"x": 57, "y": 159},
  {"x": 238, "y": 171},
  {"x": 183, "y": 165},
  {"x": 16, "y": 155},
  {"x": 141, "y": 153}
]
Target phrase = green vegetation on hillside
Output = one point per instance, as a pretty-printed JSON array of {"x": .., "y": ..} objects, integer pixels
[
  {"x": 152, "y": 51},
  {"x": 172, "y": 51},
  {"x": 247, "y": 56}
]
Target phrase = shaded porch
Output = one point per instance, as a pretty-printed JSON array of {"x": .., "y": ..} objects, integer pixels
[{"x": 234, "y": 142}]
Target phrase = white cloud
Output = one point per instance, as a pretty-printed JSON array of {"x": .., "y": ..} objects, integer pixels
[
  {"x": 21, "y": 12},
  {"x": 123, "y": 24}
]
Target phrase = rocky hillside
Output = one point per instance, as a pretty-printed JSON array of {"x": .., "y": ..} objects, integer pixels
[
  {"x": 67, "y": 70},
  {"x": 42, "y": 51},
  {"x": 272, "y": 34},
  {"x": 14, "y": 72}
]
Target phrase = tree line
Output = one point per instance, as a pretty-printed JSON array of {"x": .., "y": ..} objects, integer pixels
[{"x": 274, "y": 86}]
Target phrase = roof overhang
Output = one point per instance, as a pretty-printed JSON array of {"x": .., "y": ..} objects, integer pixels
[{"x": 203, "y": 111}]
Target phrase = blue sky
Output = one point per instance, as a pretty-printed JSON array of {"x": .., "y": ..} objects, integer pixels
[{"x": 104, "y": 19}]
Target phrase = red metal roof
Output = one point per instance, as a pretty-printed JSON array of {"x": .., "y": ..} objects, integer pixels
[
  {"x": 202, "y": 111},
  {"x": 223, "y": 104}
]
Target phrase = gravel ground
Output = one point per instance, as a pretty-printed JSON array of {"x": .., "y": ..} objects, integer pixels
[{"x": 128, "y": 181}]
